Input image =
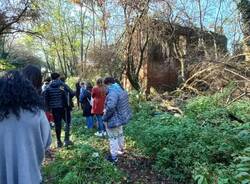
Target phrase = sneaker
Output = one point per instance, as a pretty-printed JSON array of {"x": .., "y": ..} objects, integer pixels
[
  {"x": 52, "y": 124},
  {"x": 59, "y": 144},
  {"x": 120, "y": 152},
  {"x": 98, "y": 134},
  {"x": 104, "y": 133},
  {"x": 111, "y": 159},
  {"x": 68, "y": 143}
]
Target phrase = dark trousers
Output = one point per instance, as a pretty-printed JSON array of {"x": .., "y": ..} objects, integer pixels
[
  {"x": 67, "y": 120},
  {"x": 59, "y": 115}
]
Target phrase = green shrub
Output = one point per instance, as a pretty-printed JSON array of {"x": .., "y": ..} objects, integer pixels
[
  {"x": 243, "y": 168},
  {"x": 179, "y": 147},
  {"x": 204, "y": 140},
  {"x": 199, "y": 147},
  {"x": 206, "y": 110},
  {"x": 211, "y": 174},
  {"x": 80, "y": 165},
  {"x": 241, "y": 109}
]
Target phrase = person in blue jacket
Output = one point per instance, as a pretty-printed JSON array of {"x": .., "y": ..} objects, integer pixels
[{"x": 117, "y": 113}]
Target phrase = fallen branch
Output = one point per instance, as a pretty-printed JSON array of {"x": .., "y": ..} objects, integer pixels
[
  {"x": 230, "y": 95},
  {"x": 231, "y": 58},
  {"x": 170, "y": 108},
  {"x": 197, "y": 74},
  {"x": 237, "y": 98},
  {"x": 237, "y": 74}
]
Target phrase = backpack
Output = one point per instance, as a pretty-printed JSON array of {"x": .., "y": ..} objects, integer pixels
[{"x": 66, "y": 97}]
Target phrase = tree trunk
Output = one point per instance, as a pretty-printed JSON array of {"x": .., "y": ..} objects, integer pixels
[
  {"x": 82, "y": 18},
  {"x": 244, "y": 8}
]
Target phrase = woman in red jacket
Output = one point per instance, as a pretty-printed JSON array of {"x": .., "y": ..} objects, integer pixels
[{"x": 99, "y": 95}]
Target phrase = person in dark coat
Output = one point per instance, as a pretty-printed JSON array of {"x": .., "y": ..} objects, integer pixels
[
  {"x": 67, "y": 113},
  {"x": 56, "y": 100},
  {"x": 85, "y": 99},
  {"x": 78, "y": 89}
]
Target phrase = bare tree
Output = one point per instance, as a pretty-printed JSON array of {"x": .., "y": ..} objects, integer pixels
[
  {"x": 136, "y": 11},
  {"x": 13, "y": 13}
]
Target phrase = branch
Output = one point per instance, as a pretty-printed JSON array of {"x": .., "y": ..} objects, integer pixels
[
  {"x": 198, "y": 73},
  {"x": 142, "y": 50},
  {"x": 230, "y": 71},
  {"x": 37, "y": 34},
  {"x": 237, "y": 98},
  {"x": 17, "y": 19}
]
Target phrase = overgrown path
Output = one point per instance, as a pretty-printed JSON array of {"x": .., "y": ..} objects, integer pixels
[
  {"x": 133, "y": 165},
  {"x": 139, "y": 170}
]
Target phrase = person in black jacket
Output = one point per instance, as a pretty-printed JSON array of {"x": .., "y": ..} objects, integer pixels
[
  {"x": 67, "y": 115},
  {"x": 78, "y": 89},
  {"x": 57, "y": 97},
  {"x": 85, "y": 99}
]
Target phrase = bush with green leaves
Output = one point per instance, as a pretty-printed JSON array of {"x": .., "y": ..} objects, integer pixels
[
  {"x": 214, "y": 173},
  {"x": 199, "y": 147},
  {"x": 241, "y": 109},
  {"x": 243, "y": 167},
  {"x": 81, "y": 165},
  {"x": 207, "y": 109}
]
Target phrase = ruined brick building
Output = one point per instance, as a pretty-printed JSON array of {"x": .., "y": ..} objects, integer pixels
[{"x": 170, "y": 49}]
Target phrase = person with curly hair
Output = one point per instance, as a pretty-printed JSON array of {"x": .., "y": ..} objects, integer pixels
[
  {"x": 24, "y": 131},
  {"x": 33, "y": 74}
]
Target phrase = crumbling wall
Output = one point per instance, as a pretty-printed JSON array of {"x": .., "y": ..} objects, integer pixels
[{"x": 172, "y": 49}]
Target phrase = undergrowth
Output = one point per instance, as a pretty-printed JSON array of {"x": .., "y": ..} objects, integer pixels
[
  {"x": 82, "y": 163},
  {"x": 209, "y": 144},
  {"x": 200, "y": 147}
]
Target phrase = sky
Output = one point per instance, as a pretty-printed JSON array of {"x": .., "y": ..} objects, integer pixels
[{"x": 228, "y": 17}]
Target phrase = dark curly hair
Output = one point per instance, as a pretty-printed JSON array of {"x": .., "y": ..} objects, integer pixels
[
  {"x": 34, "y": 74},
  {"x": 16, "y": 93}
]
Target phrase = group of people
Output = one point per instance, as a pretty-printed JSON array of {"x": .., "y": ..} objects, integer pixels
[
  {"x": 92, "y": 103},
  {"x": 25, "y": 109},
  {"x": 108, "y": 104}
]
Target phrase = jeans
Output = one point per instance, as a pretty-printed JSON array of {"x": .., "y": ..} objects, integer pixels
[
  {"x": 90, "y": 121},
  {"x": 101, "y": 126},
  {"x": 116, "y": 140}
]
